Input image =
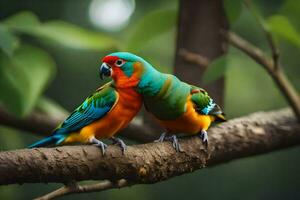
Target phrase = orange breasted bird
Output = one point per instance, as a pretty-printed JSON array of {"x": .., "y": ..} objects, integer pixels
[
  {"x": 178, "y": 106},
  {"x": 106, "y": 111}
]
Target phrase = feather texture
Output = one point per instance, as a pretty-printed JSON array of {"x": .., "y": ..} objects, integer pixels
[
  {"x": 93, "y": 108},
  {"x": 204, "y": 104}
]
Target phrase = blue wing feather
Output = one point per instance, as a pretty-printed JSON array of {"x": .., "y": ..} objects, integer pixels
[
  {"x": 78, "y": 120},
  {"x": 92, "y": 109}
]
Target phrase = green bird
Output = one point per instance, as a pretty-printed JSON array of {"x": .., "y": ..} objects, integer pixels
[{"x": 177, "y": 106}]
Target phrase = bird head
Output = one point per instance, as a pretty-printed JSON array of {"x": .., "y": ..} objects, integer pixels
[{"x": 124, "y": 68}]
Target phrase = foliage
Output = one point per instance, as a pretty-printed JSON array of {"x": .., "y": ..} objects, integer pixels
[
  {"x": 26, "y": 69},
  {"x": 8, "y": 42},
  {"x": 215, "y": 70},
  {"x": 275, "y": 24},
  {"x": 281, "y": 26},
  {"x": 23, "y": 78},
  {"x": 144, "y": 31},
  {"x": 233, "y": 9}
]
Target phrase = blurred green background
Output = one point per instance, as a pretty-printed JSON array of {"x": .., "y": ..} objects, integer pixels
[{"x": 50, "y": 52}]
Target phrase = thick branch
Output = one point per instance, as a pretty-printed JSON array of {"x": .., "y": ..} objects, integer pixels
[
  {"x": 43, "y": 124},
  {"x": 152, "y": 162},
  {"x": 290, "y": 94}
]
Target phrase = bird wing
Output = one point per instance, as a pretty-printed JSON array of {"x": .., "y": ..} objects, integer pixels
[
  {"x": 93, "y": 108},
  {"x": 204, "y": 104}
]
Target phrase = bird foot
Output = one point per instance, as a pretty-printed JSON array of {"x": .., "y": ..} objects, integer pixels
[
  {"x": 175, "y": 143},
  {"x": 119, "y": 142},
  {"x": 204, "y": 137},
  {"x": 161, "y": 138},
  {"x": 99, "y": 144}
]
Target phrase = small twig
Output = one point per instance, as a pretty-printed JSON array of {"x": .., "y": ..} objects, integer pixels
[
  {"x": 71, "y": 189},
  {"x": 277, "y": 74},
  {"x": 274, "y": 49},
  {"x": 194, "y": 58},
  {"x": 268, "y": 35}
]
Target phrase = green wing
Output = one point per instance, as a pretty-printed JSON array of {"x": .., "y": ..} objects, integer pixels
[
  {"x": 204, "y": 104},
  {"x": 93, "y": 108}
]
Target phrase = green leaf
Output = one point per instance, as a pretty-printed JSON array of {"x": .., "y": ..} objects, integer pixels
[
  {"x": 150, "y": 26},
  {"x": 24, "y": 21},
  {"x": 60, "y": 32},
  {"x": 257, "y": 14},
  {"x": 23, "y": 78},
  {"x": 73, "y": 36},
  {"x": 51, "y": 108},
  {"x": 290, "y": 9},
  {"x": 8, "y": 42},
  {"x": 215, "y": 70},
  {"x": 233, "y": 9},
  {"x": 281, "y": 26}
]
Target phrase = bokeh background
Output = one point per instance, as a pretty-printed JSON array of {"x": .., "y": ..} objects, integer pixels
[{"x": 49, "y": 58}]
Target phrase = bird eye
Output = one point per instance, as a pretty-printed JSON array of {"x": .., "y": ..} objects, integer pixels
[{"x": 119, "y": 63}]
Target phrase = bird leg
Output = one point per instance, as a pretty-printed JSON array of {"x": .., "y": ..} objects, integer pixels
[
  {"x": 203, "y": 136},
  {"x": 99, "y": 144},
  {"x": 175, "y": 143},
  {"x": 161, "y": 138},
  {"x": 172, "y": 138},
  {"x": 120, "y": 142}
]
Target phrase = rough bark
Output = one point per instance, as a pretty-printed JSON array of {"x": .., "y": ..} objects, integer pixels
[
  {"x": 153, "y": 162},
  {"x": 199, "y": 25}
]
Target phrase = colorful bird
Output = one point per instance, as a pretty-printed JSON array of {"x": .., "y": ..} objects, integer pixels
[
  {"x": 176, "y": 105},
  {"x": 105, "y": 112}
]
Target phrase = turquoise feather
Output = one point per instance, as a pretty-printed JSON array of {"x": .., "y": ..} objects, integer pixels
[{"x": 165, "y": 95}]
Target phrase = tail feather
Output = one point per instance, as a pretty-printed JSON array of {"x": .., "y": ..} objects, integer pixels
[
  {"x": 51, "y": 140},
  {"x": 220, "y": 117}
]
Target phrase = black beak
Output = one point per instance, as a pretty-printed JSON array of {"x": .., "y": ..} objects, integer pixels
[{"x": 105, "y": 70}]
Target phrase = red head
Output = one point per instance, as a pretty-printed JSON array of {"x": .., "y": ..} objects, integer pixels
[{"x": 123, "y": 68}]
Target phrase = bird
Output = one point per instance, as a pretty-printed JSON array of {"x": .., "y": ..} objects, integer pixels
[
  {"x": 105, "y": 112},
  {"x": 179, "y": 107}
]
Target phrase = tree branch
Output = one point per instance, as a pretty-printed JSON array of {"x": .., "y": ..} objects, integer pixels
[
  {"x": 194, "y": 58},
  {"x": 289, "y": 92},
  {"x": 43, "y": 124},
  {"x": 75, "y": 188},
  {"x": 153, "y": 162},
  {"x": 268, "y": 35},
  {"x": 36, "y": 122}
]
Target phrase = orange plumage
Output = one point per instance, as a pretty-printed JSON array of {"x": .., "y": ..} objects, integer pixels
[
  {"x": 128, "y": 104},
  {"x": 191, "y": 122}
]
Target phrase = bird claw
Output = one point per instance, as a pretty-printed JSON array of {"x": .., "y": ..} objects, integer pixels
[
  {"x": 172, "y": 139},
  {"x": 204, "y": 137},
  {"x": 175, "y": 143},
  {"x": 161, "y": 138},
  {"x": 119, "y": 142},
  {"x": 99, "y": 144}
]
